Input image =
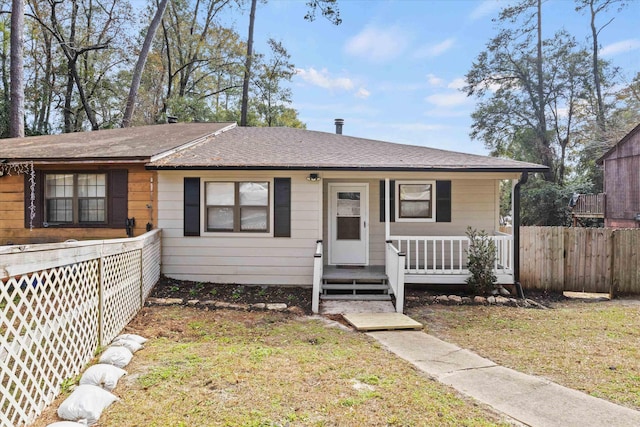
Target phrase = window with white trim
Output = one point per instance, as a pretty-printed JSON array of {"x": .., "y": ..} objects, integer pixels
[
  {"x": 237, "y": 206},
  {"x": 415, "y": 201},
  {"x": 76, "y": 198}
]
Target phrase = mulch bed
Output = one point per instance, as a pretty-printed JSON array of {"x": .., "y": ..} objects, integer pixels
[{"x": 297, "y": 296}]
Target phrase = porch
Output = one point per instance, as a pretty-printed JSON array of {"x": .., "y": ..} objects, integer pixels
[{"x": 437, "y": 260}]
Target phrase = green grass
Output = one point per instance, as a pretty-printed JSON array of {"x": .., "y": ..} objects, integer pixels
[
  {"x": 226, "y": 368},
  {"x": 591, "y": 347}
]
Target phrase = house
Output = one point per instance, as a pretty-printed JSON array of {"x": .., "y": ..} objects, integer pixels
[
  {"x": 621, "y": 166},
  {"x": 270, "y": 206},
  {"x": 86, "y": 185}
]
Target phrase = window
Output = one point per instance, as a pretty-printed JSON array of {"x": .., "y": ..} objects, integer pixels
[
  {"x": 237, "y": 206},
  {"x": 415, "y": 201},
  {"x": 75, "y": 198}
]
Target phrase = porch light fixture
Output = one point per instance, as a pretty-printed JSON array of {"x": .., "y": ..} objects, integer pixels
[{"x": 313, "y": 177}]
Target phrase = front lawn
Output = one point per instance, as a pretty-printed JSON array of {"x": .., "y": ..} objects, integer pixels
[
  {"x": 593, "y": 347},
  {"x": 235, "y": 368}
]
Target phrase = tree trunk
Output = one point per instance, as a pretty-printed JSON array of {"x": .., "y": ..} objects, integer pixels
[
  {"x": 247, "y": 68},
  {"x": 142, "y": 59},
  {"x": 596, "y": 72},
  {"x": 16, "y": 114},
  {"x": 545, "y": 149}
]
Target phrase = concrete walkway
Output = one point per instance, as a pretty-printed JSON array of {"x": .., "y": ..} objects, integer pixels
[{"x": 530, "y": 400}]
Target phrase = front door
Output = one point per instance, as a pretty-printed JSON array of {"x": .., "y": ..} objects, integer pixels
[{"x": 348, "y": 218}]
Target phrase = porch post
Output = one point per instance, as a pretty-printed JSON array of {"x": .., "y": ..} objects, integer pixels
[{"x": 387, "y": 211}]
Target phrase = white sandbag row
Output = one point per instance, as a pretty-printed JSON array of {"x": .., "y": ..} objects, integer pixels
[{"x": 85, "y": 404}]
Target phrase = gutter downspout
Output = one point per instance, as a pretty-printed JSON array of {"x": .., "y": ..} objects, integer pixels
[{"x": 516, "y": 233}]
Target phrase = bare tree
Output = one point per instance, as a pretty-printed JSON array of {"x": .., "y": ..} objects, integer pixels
[
  {"x": 142, "y": 59},
  {"x": 16, "y": 115}
]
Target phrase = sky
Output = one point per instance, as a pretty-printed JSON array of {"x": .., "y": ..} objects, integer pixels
[{"x": 394, "y": 68}]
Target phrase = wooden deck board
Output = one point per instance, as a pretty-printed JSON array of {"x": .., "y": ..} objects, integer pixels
[
  {"x": 381, "y": 321},
  {"x": 372, "y": 272}
]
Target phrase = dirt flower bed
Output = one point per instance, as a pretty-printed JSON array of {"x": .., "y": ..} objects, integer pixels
[{"x": 300, "y": 297}]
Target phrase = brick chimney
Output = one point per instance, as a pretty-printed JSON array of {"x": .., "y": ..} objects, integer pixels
[{"x": 339, "y": 123}]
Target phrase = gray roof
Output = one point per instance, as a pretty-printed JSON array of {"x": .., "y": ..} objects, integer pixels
[
  {"x": 112, "y": 144},
  {"x": 227, "y": 146},
  {"x": 286, "y": 148}
]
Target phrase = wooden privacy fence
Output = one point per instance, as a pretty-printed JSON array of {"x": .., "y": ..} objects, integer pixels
[
  {"x": 580, "y": 259},
  {"x": 58, "y": 303}
]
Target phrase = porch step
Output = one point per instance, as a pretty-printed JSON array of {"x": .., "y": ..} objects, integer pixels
[
  {"x": 355, "y": 287},
  {"x": 356, "y": 297}
]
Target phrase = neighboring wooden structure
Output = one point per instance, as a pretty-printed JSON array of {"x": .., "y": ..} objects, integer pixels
[
  {"x": 587, "y": 206},
  {"x": 580, "y": 259},
  {"x": 103, "y": 171},
  {"x": 621, "y": 166}
]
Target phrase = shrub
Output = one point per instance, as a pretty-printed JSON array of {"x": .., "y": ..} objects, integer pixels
[{"x": 481, "y": 259}]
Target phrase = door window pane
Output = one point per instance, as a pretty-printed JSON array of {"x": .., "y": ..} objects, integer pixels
[
  {"x": 348, "y": 204},
  {"x": 220, "y": 193},
  {"x": 220, "y": 218},
  {"x": 348, "y": 228},
  {"x": 253, "y": 219}
]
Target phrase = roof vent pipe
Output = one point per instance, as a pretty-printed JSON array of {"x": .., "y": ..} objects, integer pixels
[{"x": 339, "y": 123}]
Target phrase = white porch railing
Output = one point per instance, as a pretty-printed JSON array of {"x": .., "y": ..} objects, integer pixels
[
  {"x": 394, "y": 263},
  {"x": 58, "y": 302},
  {"x": 318, "y": 264},
  {"x": 447, "y": 255}
]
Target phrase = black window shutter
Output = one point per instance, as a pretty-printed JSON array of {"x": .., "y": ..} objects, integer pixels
[
  {"x": 118, "y": 198},
  {"x": 392, "y": 201},
  {"x": 192, "y": 206},
  {"x": 443, "y": 201},
  {"x": 38, "y": 219},
  {"x": 282, "y": 207}
]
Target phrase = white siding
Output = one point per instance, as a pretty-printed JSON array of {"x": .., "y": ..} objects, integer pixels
[
  {"x": 474, "y": 202},
  {"x": 262, "y": 259},
  {"x": 240, "y": 257}
]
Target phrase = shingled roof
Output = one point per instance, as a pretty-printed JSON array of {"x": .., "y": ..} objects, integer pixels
[
  {"x": 299, "y": 149},
  {"x": 135, "y": 143}
]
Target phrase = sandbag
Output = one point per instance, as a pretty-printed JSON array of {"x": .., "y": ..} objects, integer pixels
[
  {"x": 85, "y": 404},
  {"x": 116, "y": 356},
  {"x": 133, "y": 337},
  {"x": 102, "y": 375},
  {"x": 132, "y": 345},
  {"x": 67, "y": 424}
]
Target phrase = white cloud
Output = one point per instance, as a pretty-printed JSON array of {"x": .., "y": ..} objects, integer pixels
[
  {"x": 620, "y": 47},
  {"x": 323, "y": 79},
  {"x": 362, "y": 93},
  {"x": 434, "y": 50},
  {"x": 485, "y": 8},
  {"x": 435, "y": 80},
  {"x": 377, "y": 44},
  {"x": 448, "y": 100},
  {"x": 457, "y": 84}
]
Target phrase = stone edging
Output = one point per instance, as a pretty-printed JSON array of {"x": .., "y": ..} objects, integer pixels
[
  {"x": 480, "y": 300},
  {"x": 216, "y": 305}
]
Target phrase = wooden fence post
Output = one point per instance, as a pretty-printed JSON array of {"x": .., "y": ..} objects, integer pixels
[{"x": 611, "y": 264}]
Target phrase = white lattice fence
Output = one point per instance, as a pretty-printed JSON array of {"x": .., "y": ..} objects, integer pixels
[
  {"x": 50, "y": 318},
  {"x": 151, "y": 257},
  {"x": 121, "y": 292}
]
